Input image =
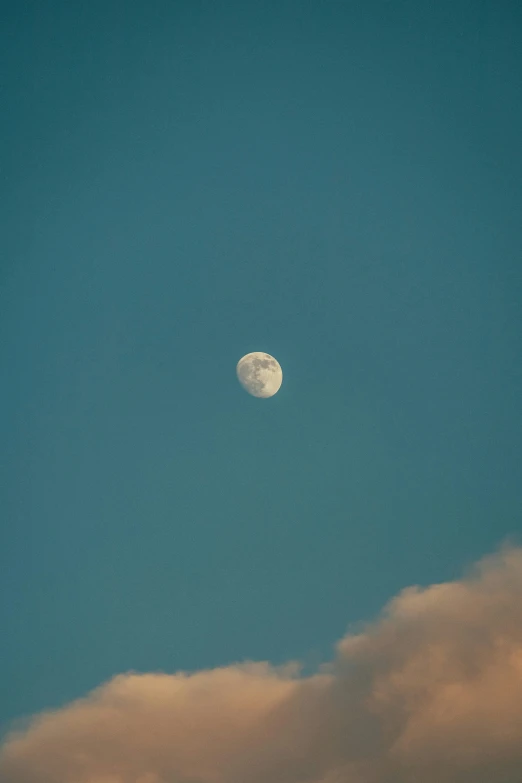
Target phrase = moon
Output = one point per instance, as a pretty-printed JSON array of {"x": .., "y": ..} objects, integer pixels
[{"x": 259, "y": 374}]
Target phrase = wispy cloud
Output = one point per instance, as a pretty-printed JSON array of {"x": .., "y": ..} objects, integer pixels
[{"x": 431, "y": 692}]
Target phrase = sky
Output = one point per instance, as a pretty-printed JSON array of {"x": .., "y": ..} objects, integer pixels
[{"x": 338, "y": 184}]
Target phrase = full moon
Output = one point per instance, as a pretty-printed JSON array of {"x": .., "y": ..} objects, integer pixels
[{"x": 260, "y": 374}]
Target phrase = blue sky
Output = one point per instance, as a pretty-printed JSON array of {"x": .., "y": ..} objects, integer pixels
[{"x": 339, "y": 184}]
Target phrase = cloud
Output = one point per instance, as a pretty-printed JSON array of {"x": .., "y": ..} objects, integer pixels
[{"x": 431, "y": 692}]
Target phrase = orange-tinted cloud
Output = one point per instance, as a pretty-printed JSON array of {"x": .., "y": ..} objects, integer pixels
[{"x": 430, "y": 692}]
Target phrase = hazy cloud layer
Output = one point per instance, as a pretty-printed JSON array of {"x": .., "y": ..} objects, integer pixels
[{"x": 430, "y": 692}]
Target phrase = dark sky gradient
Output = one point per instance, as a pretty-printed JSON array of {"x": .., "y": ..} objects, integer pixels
[{"x": 336, "y": 183}]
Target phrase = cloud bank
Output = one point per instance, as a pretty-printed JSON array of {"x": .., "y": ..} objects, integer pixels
[{"x": 431, "y": 692}]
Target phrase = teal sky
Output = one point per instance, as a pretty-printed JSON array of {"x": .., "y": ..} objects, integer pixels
[{"x": 337, "y": 183}]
